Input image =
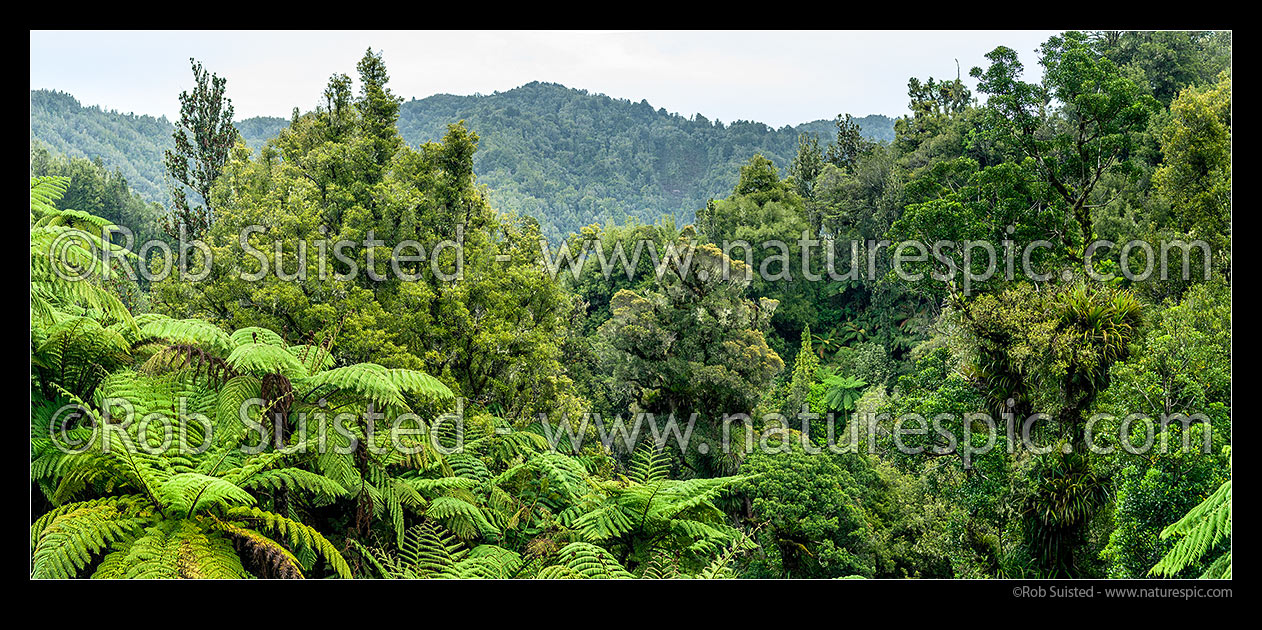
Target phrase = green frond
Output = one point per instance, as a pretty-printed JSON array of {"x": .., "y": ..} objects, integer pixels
[
  {"x": 605, "y": 522},
  {"x": 231, "y": 404},
  {"x": 295, "y": 479},
  {"x": 78, "y": 220},
  {"x": 66, "y": 543},
  {"x": 649, "y": 463},
  {"x": 429, "y": 551},
  {"x": 1202, "y": 530},
  {"x": 297, "y": 535},
  {"x": 261, "y": 359},
  {"x": 562, "y": 479},
  {"x": 45, "y": 191},
  {"x": 181, "y": 548},
  {"x": 202, "y": 334},
  {"x": 468, "y": 467},
  {"x": 186, "y": 494},
  {"x": 661, "y": 567},
  {"x": 489, "y": 562},
  {"x": 463, "y": 518},
  {"x": 441, "y": 484},
  {"x": 585, "y": 561},
  {"x": 68, "y": 272},
  {"x": 256, "y": 334},
  {"x": 419, "y": 383},
  {"x": 368, "y": 381},
  {"x": 77, "y": 353},
  {"x": 314, "y": 358}
]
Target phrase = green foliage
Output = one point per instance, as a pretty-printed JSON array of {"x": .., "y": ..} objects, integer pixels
[
  {"x": 1149, "y": 497},
  {"x": 428, "y": 551},
  {"x": 1100, "y": 110},
  {"x": 806, "y": 166},
  {"x": 1182, "y": 371},
  {"x": 202, "y": 140},
  {"x": 639, "y": 517},
  {"x": 67, "y": 275},
  {"x": 179, "y": 517},
  {"x": 842, "y": 392},
  {"x": 1196, "y": 172},
  {"x": 1169, "y": 60},
  {"x": 808, "y": 508},
  {"x": 850, "y": 144},
  {"x": 1124, "y": 136},
  {"x": 98, "y": 191},
  {"x": 805, "y": 367},
  {"x": 1050, "y": 351},
  {"x": 566, "y": 157},
  {"x": 1204, "y": 527}
]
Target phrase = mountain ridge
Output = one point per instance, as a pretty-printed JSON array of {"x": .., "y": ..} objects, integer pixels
[{"x": 563, "y": 155}]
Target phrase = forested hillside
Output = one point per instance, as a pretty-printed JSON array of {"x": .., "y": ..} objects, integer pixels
[
  {"x": 997, "y": 346},
  {"x": 571, "y": 158},
  {"x": 129, "y": 143},
  {"x": 563, "y": 156}
]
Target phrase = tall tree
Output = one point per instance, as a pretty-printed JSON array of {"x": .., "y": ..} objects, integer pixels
[
  {"x": 806, "y": 165},
  {"x": 1088, "y": 135},
  {"x": 691, "y": 343},
  {"x": 850, "y": 143},
  {"x": 203, "y": 139},
  {"x": 378, "y": 108},
  {"x": 1196, "y": 173},
  {"x": 804, "y": 368}
]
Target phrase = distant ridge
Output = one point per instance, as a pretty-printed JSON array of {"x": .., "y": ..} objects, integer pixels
[{"x": 562, "y": 155}]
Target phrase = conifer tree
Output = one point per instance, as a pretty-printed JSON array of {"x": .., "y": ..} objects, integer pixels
[
  {"x": 203, "y": 139},
  {"x": 804, "y": 368}
]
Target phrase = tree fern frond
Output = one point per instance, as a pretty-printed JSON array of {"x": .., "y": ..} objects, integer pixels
[
  {"x": 200, "y": 333},
  {"x": 296, "y": 534},
  {"x": 586, "y": 561},
  {"x": 1202, "y": 529},
  {"x": 256, "y": 334},
  {"x": 369, "y": 381},
  {"x": 186, "y": 494},
  {"x": 295, "y": 479},
  {"x": 649, "y": 463},
  {"x": 465, "y": 519},
  {"x": 183, "y": 548},
  {"x": 419, "y": 383},
  {"x": 66, "y": 543},
  {"x": 261, "y": 359}
]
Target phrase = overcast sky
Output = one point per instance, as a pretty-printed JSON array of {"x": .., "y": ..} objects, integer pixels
[{"x": 777, "y": 78}]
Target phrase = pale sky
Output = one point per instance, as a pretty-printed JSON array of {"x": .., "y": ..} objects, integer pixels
[{"x": 774, "y": 77}]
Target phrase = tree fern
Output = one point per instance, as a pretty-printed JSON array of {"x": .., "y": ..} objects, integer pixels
[
  {"x": 76, "y": 353},
  {"x": 1203, "y": 529},
  {"x": 429, "y": 551},
  {"x": 255, "y": 334},
  {"x": 67, "y": 272},
  {"x": 580, "y": 560},
  {"x": 649, "y": 463},
  {"x": 185, "y": 515},
  {"x": 261, "y": 359},
  {"x": 196, "y": 332},
  {"x": 461, "y": 517}
]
